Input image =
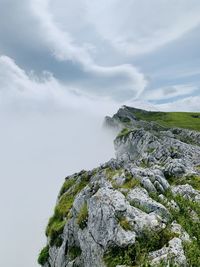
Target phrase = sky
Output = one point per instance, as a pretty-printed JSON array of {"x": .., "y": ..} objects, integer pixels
[{"x": 64, "y": 65}]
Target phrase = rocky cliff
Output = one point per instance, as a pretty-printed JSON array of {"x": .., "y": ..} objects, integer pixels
[{"x": 141, "y": 208}]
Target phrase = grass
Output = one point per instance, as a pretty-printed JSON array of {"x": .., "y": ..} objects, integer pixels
[
  {"x": 192, "y": 249},
  {"x": 43, "y": 256},
  {"x": 137, "y": 254},
  {"x": 62, "y": 210},
  {"x": 144, "y": 164},
  {"x": 198, "y": 167},
  {"x": 192, "y": 252},
  {"x": 124, "y": 223},
  {"x": 192, "y": 227},
  {"x": 130, "y": 183},
  {"x": 67, "y": 185},
  {"x": 139, "y": 206},
  {"x": 193, "y": 180},
  {"x": 124, "y": 133},
  {"x": 74, "y": 252},
  {"x": 150, "y": 150},
  {"x": 110, "y": 173},
  {"x": 183, "y": 217},
  {"x": 82, "y": 217},
  {"x": 188, "y": 120}
]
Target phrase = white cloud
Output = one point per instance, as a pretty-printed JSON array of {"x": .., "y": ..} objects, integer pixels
[
  {"x": 168, "y": 92},
  {"x": 66, "y": 46},
  {"x": 21, "y": 90},
  {"x": 141, "y": 26},
  {"x": 61, "y": 42},
  {"x": 73, "y": 30},
  {"x": 187, "y": 104},
  {"x": 134, "y": 27}
]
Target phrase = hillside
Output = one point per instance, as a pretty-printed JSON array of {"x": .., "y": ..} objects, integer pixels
[{"x": 141, "y": 208}]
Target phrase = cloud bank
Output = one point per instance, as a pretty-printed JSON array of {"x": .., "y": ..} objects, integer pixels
[{"x": 66, "y": 64}]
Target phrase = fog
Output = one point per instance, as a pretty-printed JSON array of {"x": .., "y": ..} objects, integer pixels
[{"x": 37, "y": 151}]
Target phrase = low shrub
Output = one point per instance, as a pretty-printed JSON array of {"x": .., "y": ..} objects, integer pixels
[
  {"x": 43, "y": 256},
  {"x": 82, "y": 217},
  {"x": 74, "y": 252}
]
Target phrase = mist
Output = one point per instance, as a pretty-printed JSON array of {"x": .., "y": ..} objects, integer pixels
[{"x": 37, "y": 151}]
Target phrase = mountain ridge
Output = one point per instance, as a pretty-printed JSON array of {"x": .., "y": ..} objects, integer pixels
[{"x": 141, "y": 208}]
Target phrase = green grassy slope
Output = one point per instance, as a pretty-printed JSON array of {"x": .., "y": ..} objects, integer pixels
[{"x": 188, "y": 120}]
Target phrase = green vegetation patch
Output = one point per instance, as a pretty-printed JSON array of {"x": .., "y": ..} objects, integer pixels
[
  {"x": 150, "y": 150},
  {"x": 67, "y": 185},
  {"x": 188, "y": 120},
  {"x": 125, "y": 119},
  {"x": 198, "y": 167},
  {"x": 184, "y": 217},
  {"x": 82, "y": 217},
  {"x": 189, "y": 224},
  {"x": 144, "y": 164},
  {"x": 125, "y": 224},
  {"x": 43, "y": 256},
  {"x": 193, "y": 180},
  {"x": 74, "y": 252},
  {"x": 62, "y": 210},
  {"x": 124, "y": 133},
  {"x": 137, "y": 254},
  {"x": 192, "y": 253},
  {"x": 110, "y": 173},
  {"x": 130, "y": 183}
]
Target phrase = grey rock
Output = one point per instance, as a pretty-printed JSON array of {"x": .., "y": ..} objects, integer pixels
[{"x": 140, "y": 197}]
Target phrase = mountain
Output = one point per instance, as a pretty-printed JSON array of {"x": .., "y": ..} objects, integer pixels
[{"x": 141, "y": 208}]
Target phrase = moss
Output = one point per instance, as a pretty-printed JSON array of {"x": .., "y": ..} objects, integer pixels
[
  {"x": 82, "y": 217},
  {"x": 62, "y": 210},
  {"x": 43, "y": 256},
  {"x": 74, "y": 252}
]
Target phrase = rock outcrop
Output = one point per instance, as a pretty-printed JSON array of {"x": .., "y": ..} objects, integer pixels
[{"x": 140, "y": 209}]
